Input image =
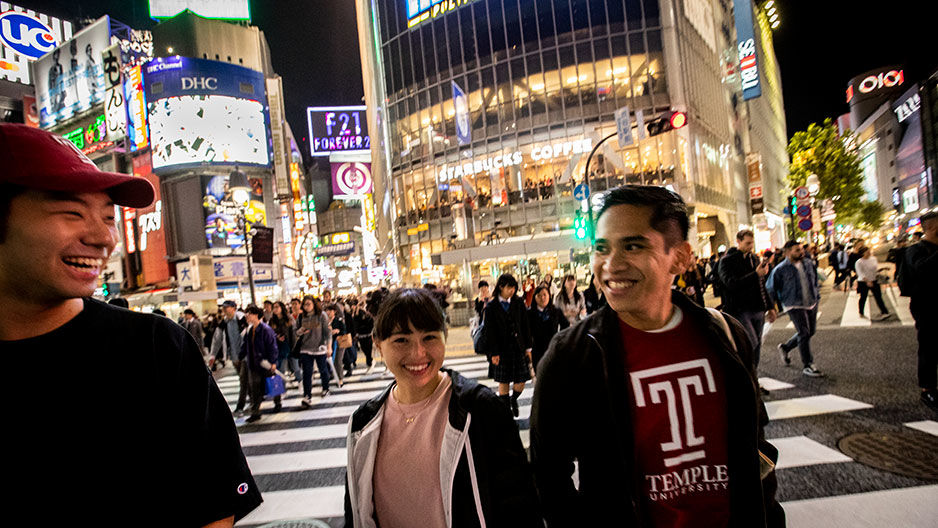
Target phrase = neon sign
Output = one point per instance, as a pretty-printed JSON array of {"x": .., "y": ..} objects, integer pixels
[
  {"x": 91, "y": 138},
  {"x": 422, "y": 10},
  {"x": 337, "y": 129},
  {"x": 877, "y": 81}
]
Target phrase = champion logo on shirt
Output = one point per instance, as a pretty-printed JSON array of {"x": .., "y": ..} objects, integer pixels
[{"x": 242, "y": 488}]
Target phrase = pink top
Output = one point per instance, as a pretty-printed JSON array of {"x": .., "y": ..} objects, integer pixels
[{"x": 407, "y": 465}]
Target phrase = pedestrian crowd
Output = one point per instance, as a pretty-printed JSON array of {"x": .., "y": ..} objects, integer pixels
[{"x": 314, "y": 334}]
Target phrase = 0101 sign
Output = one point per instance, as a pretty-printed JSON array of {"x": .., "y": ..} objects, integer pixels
[{"x": 337, "y": 129}]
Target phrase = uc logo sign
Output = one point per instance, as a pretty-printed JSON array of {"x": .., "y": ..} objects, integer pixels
[{"x": 26, "y": 35}]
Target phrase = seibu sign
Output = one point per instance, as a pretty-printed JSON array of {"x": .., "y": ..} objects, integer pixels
[{"x": 874, "y": 82}]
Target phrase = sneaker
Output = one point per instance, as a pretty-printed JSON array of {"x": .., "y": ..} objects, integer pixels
[
  {"x": 812, "y": 372},
  {"x": 278, "y": 407},
  {"x": 325, "y": 392},
  {"x": 306, "y": 403},
  {"x": 862, "y": 316},
  {"x": 253, "y": 418},
  {"x": 882, "y": 317},
  {"x": 369, "y": 369},
  {"x": 784, "y": 353},
  {"x": 930, "y": 398}
]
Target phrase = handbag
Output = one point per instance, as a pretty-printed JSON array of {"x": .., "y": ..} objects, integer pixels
[
  {"x": 344, "y": 341},
  {"x": 273, "y": 387}
]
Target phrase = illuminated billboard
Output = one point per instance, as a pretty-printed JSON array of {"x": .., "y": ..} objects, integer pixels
[
  {"x": 747, "y": 49},
  {"x": 422, "y": 10},
  {"x": 351, "y": 180},
  {"x": 70, "y": 79},
  {"x": 221, "y": 211},
  {"x": 207, "y": 129},
  {"x": 222, "y": 9},
  {"x": 337, "y": 129},
  {"x": 24, "y": 37},
  {"x": 203, "y": 112}
]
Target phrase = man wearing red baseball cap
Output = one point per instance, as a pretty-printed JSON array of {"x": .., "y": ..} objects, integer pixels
[{"x": 141, "y": 434}]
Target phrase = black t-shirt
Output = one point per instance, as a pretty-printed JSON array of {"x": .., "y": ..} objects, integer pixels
[{"x": 121, "y": 425}]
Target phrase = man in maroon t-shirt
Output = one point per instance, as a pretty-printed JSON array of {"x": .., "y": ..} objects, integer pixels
[{"x": 668, "y": 431}]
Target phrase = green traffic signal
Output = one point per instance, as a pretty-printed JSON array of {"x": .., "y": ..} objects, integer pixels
[{"x": 580, "y": 228}]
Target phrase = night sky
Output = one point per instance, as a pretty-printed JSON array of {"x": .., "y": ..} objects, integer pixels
[{"x": 820, "y": 44}]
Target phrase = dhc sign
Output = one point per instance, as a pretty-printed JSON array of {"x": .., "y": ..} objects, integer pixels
[
  {"x": 747, "y": 51},
  {"x": 200, "y": 83},
  {"x": 26, "y": 35}
]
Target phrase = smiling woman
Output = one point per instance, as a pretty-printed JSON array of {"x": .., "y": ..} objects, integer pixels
[{"x": 414, "y": 440}]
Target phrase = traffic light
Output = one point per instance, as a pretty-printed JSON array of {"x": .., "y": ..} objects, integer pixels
[
  {"x": 670, "y": 121},
  {"x": 581, "y": 227},
  {"x": 105, "y": 290}
]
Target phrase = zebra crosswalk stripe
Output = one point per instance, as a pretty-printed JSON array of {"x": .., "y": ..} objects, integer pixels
[{"x": 318, "y": 426}]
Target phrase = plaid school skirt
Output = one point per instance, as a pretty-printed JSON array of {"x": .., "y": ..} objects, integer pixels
[{"x": 516, "y": 371}]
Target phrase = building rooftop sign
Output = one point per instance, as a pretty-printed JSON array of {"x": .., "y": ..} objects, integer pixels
[{"x": 220, "y": 9}]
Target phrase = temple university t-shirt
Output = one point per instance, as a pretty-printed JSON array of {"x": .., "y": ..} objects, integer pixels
[{"x": 679, "y": 424}]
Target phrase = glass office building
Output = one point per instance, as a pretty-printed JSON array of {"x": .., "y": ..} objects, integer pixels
[{"x": 541, "y": 82}]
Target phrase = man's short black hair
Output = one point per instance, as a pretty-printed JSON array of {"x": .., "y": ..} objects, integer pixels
[
  {"x": 743, "y": 234},
  {"x": 668, "y": 210},
  {"x": 483, "y": 284},
  {"x": 408, "y": 307},
  {"x": 7, "y": 193},
  {"x": 790, "y": 244},
  {"x": 119, "y": 301},
  {"x": 189, "y": 311},
  {"x": 928, "y": 217},
  {"x": 254, "y": 309}
]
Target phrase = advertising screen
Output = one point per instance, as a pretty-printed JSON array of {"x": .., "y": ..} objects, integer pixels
[
  {"x": 337, "y": 129},
  {"x": 206, "y": 112},
  {"x": 136, "y": 109},
  {"x": 70, "y": 79},
  {"x": 221, "y": 211},
  {"x": 196, "y": 129}
]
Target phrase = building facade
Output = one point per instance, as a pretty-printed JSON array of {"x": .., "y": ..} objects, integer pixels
[{"x": 487, "y": 111}]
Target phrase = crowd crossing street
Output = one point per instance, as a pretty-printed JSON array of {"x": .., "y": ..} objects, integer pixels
[{"x": 298, "y": 456}]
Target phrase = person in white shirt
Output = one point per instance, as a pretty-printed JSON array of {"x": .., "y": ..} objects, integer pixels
[{"x": 866, "y": 267}]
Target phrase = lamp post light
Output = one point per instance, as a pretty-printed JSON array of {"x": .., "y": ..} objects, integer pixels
[{"x": 240, "y": 189}]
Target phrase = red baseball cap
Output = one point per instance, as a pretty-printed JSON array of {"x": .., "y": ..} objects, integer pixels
[{"x": 37, "y": 159}]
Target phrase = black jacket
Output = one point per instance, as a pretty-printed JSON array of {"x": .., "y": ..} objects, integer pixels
[
  {"x": 592, "y": 425},
  {"x": 543, "y": 330},
  {"x": 506, "y": 334},
  {"x": 480, "y": 430},
  {"x": 918, "y": 277},
  {"x": 744, "y": 289}
]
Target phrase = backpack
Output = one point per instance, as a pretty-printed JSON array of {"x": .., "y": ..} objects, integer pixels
[
  {"x": 714, "y": 279},
  {"x": 478, "y": 345}
]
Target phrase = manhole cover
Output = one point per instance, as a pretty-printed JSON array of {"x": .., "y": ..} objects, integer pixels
[
  {"x": 907, "y": 454},
  {"x": 297, "y": 523}
]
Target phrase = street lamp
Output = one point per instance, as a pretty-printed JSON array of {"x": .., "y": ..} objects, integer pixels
[{"x": 240, "y": 189}]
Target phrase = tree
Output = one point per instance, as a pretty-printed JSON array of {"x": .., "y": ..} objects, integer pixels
[
  {"x": 823, "y": 151},
  {"x": 870, "y": 215}
]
